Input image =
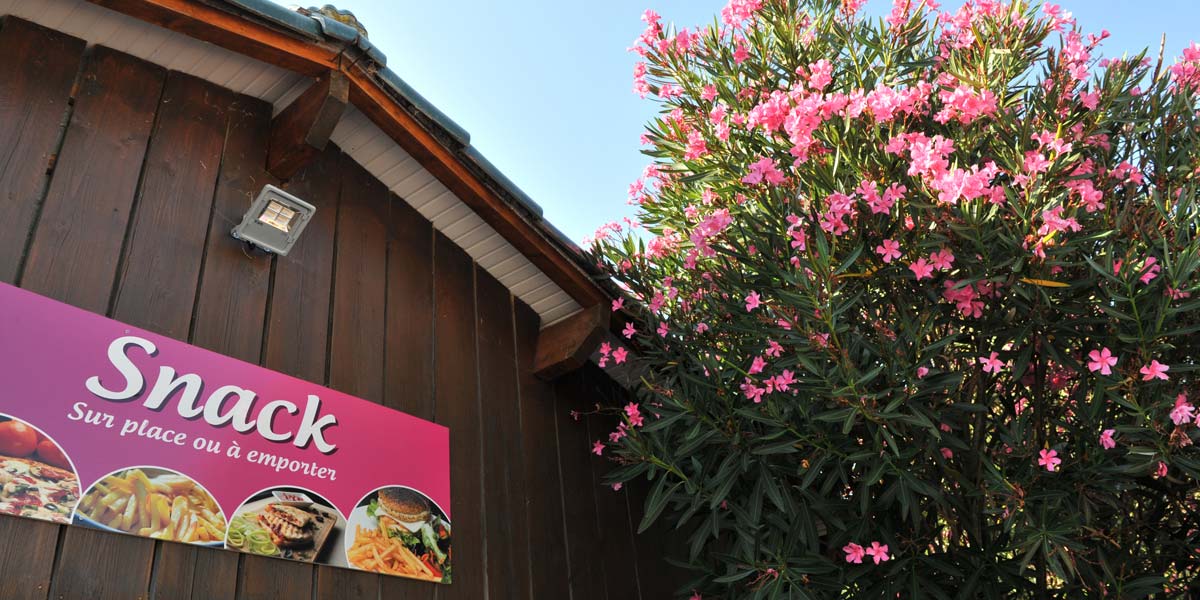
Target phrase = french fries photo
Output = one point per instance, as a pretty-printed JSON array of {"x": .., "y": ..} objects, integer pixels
[
  {"x": 166, "y": 506},
  {"x": 375, "y": 551}
]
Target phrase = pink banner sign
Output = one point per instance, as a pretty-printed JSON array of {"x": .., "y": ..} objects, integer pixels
[{"x": 112, "y": 427}]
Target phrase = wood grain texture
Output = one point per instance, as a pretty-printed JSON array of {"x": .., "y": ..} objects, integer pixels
[
  {"x": 346, "y": 584},
  {"x": 102, "y": 566},
  {"x": 566, "y": 345},
  {"x": 297, "y": 334},
  {"x": 34, "y": 98},
  {"x": 262, "y": 578},
  {"x": 302, "y": 129},
  {"x": 214, "y": 575},
  {"x": 457, "y": 407},
  {"x": 25, "y": 566},
  {"x": 410, "y": 301},
  {"x": 588, "y": 577},
  {"x": 156, "y": 287},
  {"x": 357, "y": 332},
  {"x": 77, "y": 243},
  {"x": 408, "y": 352},
  {"x": 549, "y": 568},
  {"x": 360, "y": 286},
  {"x": 615, "y": 546},
  {"x": 228, "y": 30},
  {"x": 298, "y": 313},
  {"x": 503, "y": 474},
  {"x": 232, "y": 303},
  {"x": 227, "y": 318}
]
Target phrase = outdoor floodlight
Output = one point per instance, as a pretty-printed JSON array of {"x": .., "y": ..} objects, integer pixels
[{"x": 274, "y": 220}]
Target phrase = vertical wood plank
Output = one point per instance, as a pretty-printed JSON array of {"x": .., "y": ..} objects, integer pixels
[
  {"x": 360, "y": 285},
  {"x": 298, "y": 313},
  {"x": 182, "y": 571},
  {"x": 34, "y": 95},
  {"x": 616, "y": 543},
  {"x": 504, "y": 474},
  {"x": 549, "y": 569},
  {"x": 408, "y": 352},
  {"x": 356, "y": 344},
  {"x": 214, "y": 575},
  {"x": 73, "y": 258},
  {"x": 296, "y": 337},
  {"x": 336, "y": 583},
  {"x": 25, "y": 566},
  {"x": 35, "y": 86},
  {"x": 156, "y": 287},
  {"x": 77, "y": 243},
  {"x": 587, "y": 572},
  {"x": 263, "y": 578},
  {"x": 457, "y": 407},
  {"x": 232, "y": 304},
  {"x": 99, "y": 565}
]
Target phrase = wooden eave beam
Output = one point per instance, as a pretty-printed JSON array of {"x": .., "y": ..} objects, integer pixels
[
  {"x": 232, "y": 32},
  {"x": 257, "y": 40},
  {"x": 300, "y": 131},
  {"x": 567, "y": 344}
]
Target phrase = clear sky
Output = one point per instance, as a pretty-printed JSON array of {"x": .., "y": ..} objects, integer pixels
[{"x": 544, "y": 86}]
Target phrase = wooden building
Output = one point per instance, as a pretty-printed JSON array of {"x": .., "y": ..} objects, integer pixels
[{"x": 133, "y": 136}]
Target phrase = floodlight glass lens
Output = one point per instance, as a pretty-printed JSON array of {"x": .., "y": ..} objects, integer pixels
[{"x": 277, "y": 215}]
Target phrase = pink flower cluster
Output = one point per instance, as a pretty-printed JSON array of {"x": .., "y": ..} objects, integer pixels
[
  {"x": 1186, "y": 72},
  {"x": 856, "y": 553}
]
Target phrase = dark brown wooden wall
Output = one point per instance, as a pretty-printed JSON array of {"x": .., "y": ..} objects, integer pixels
[{"x": 119, "y": 184}]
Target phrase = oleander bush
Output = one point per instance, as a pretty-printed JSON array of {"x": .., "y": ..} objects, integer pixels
[{"x": 915, "y": 301}]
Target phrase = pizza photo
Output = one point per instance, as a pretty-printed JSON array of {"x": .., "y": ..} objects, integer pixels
[{"x": 36, "y": 478}]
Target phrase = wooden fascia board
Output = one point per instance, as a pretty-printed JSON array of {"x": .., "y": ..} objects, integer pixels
[
  {"x": 232, "y": 32},
  {"x": 402, "y": 127},
  {"x": 256, "y": 40}
]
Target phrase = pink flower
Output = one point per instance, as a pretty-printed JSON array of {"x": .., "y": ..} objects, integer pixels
[
  {"x": 991, "y": 364},
  {"x": 598, "y": 448},
  {"x": 701, "y": 327},
  {"x": 921, "y": 269},
  {"x": 854, "y": 553},
  {"x": 619, "y": 355},
  {"x": 947, "y": 453},
  {"x": 1154, "y": 370},
  {"x": 663, "y": 329},
  {"x": 616, "y": 487},
  {"x": 757, "y": 365},
  {"x": 1106, "y": 439},
  {"x": 888, "y": 250},
  {"x": 1161, "y": 471},
  {"x": 879, "y": 552},
  {"x": 1150, "y": 270},
  {"x": 634, "y": 414},
  {"x": 922, "y": 372},
  {"x": 764, "y": 169},
  {"x": 1101, "y": 360},
  {"x": 942, "y": 259},
  {"x": 696, "y": 596},
  {"x": 629, "y": 331},
  {"x": 753, "y": 301},
  {"x": 709, "y": 92},
  {"x": 784, "y": 380},
  {"x": 1183, "y": 411},
  {"x": 1049, "y": 459},
  {"x": 618, "y": 304}
]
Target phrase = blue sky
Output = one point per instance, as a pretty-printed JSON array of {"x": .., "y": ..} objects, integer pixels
[{"x": 543, "y": 86}]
